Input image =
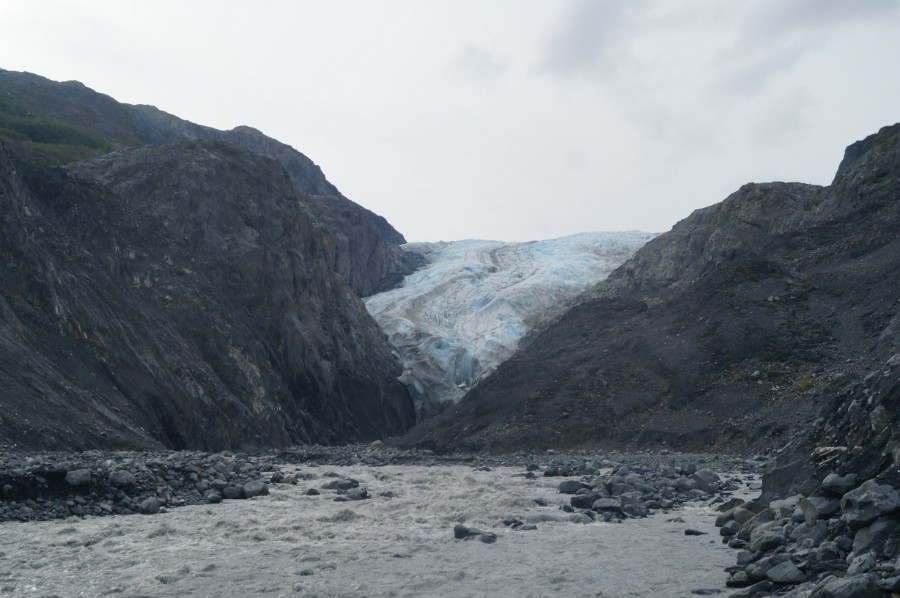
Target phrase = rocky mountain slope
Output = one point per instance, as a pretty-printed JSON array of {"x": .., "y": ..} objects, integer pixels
[
  {"x": 64, "y": 122},
  {"x": 734, "y": 330},
  {"x": 181, "y": 294},
  {"x": 462, "y": 314}
]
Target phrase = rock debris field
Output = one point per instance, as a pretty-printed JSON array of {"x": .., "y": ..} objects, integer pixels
[{"x": 376, "y": 521}]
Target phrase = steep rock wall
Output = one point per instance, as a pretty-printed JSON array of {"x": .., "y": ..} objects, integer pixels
[{"x": 180, "y": 296}]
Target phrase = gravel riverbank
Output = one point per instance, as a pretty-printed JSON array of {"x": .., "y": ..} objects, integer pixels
[{"x": 367, "y": 521}]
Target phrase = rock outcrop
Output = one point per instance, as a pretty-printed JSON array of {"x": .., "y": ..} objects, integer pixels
[
  {"x": 62, "y": 122},
  {"x": 734, "y": 330},
  {"x": 180, "y": 296}
]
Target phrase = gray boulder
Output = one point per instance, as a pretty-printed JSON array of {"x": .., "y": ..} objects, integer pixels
[
  {"x": 569, "y": 486},
  {"x": 78, "y": 477},
  {"x": 340, "y": 484},
  {"x": 872, "y": 537},
  {"x": 786, "y": 572},
  {"x": 462, "y": 532},
  {"x": 764, "y": 540},
  {"x": 838, "y": 484},
  {"x": 869, "y": 502},
  {"x": 584, "y": 501},
  {"x": 861, "y": 564},
  {"x": 762, "y": 588},
  {"x": 759, "y": 570},
  {"x": 255, "y": 488},
  {"x": 819, "y": 507},
  {"x": 607, "y": 504},
  {"x": 763, "y": 517},
  {"x": 122, "y": 479},
  {"x": 232, "y": 492},
  {"x": 706, "y": 480},
  {"x": 685, "y": 484},
  {"x": 149, "y": 506},
  {"x": 861, "y": 586}
]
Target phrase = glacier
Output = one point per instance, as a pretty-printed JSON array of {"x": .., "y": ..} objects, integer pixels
[{"x": 463, "y": 313}]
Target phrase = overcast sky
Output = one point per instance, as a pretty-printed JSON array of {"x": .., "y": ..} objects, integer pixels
[{"x": 500, "y": 119}]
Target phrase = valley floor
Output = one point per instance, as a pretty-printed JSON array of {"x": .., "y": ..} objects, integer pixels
[{"x": 398, "y": 542}]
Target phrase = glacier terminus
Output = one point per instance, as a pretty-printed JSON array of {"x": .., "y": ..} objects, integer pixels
[{"x": 465, "y": 311}]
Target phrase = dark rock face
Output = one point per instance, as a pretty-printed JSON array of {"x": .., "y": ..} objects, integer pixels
[
  {"x": 370, "y": 263},
  {"x": 180, "y": 296},
  {"x": 365, "y": 245},
  {"x": 733, "y": 330}
]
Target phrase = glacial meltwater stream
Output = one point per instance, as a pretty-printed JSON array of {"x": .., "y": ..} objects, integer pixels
[{"x": 398, "y": 543}]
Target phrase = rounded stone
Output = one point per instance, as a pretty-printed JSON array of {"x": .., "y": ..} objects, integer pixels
[
  {"x": 78, "y": 477},
  {"x": 121, "y": 479}
]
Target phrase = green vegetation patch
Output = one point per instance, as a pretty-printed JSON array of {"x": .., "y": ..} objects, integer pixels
[{"x": 48, "y": 139}]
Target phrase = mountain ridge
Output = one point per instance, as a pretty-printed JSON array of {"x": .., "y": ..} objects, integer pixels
[
  {"x": 732, "y": 330},
  {"x": 165, "y": 284},
  {"x": 126, "y": 126}
]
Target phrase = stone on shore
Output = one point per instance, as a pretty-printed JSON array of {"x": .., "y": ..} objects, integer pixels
[
  {"x": 869, "y": 502},
  {"x": 862, "y": 586},
  {"x": 122, "y": 479},
  {"x": 462, "y": 532},
  {"x": 786, "y": 573},
  {"x": 78, "y": 477},
  {"x": 838, "y": 484},
  {"x": 255, "y": 488},
  {"x": 149, "y": 506}
]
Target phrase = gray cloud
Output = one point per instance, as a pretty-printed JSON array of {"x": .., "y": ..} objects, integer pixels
[
  {"x": 771, "y": 20},
  {"x": 779, "y": 120},
  {"x": 479, "y": 64},
  {"x": 591, "y": 40},
  {"x": 772, "y": 37}
]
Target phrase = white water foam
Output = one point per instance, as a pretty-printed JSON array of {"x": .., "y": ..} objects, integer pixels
[{"x": 291, "y": 544}]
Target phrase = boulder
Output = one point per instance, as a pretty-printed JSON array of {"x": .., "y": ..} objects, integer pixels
[
  {"x": 763, "y": 517},
  {"x": 786, "y": 507},
  {"x": 765, "y": 540},
  {"x": 873, "y": 536},
  {"x": 861, "y": 564},
  {"x": 808, "y": 535},
  {"x": 786, "y": 572},
  {"x": 78, "y": 477},
  {"x": 255, "y": 488},
  {"x": 706, "y": 480},
  {"x": 569, "y": 487},
  {"x": 742, "y": 515},
  {"x": 725, "y": 517},
  {"x": 121, "y": 479},
  {"x": 232, "y": 492},
  {"x": 340, "y": 484},
  {"x": 763, "y": 588},
  {"x": 462, "y": 532},
  {"x": 869, "y": 502},
  {"x": 611, "y": 504},
  {"x": 838, "y": 484},
  {"x": 684, "y": 484},
  {"x": 860, "y": 586},
  {"x": 730, "y": 529},
  {"x": 819, "y": 507},
  {"x": 149, "y": 506},
  {"x": 584, "y": 501},
  {"x": 759, "y": 570}
]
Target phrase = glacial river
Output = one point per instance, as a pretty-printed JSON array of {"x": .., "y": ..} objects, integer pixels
[{"x": 398, "y": 543}]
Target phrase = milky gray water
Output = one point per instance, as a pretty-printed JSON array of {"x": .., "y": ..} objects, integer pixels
[{"x": 291, "y": 544}]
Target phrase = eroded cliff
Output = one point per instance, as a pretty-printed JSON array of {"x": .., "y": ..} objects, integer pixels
[{"x": 183, "y": 296}]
